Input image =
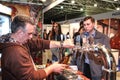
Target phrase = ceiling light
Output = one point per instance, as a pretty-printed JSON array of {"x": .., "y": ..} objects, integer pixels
[
  {"x": 81, "y": 9},
  {"x": 72, "y": 1},
  {"x": 117, "y": 8},
  {"x": 115, "y": 0},
  {"x": 61, "y": 7},
  {"x": 95, "y": 5}
]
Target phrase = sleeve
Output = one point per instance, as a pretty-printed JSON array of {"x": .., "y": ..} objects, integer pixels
[
  {"x": 22, "y": 66},
  {"x": 38, "y": 44},
  {"x": 107, "y": 42}
]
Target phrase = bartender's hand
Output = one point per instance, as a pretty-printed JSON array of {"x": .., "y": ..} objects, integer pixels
[
  {"x": 68, "y": 43},
  {"x": 58, "y": 68},
  {"x": 55, "y": 67}
]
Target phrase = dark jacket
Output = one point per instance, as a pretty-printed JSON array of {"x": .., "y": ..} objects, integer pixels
[{"x": 16, "y": 61}]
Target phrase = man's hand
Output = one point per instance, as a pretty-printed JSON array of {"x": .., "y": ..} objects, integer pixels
[
  {"x": 55, "y": 67},
  {"x": 58, "y": 68},
  {"x": 68, "y": 43}
]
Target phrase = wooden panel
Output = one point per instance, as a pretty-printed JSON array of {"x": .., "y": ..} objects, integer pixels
[{"x": 18, "y": 9}]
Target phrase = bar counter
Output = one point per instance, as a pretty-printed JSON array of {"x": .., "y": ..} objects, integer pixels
[{"x": 67, "y": 75}]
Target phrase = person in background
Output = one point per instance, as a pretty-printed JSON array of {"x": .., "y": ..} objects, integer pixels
[
  {"x": 57, "y": 32},
  {"x": 67, "y": 35},
  {"x": 45, "y": 34},
  {"x": 49, "y": 34},
  {"x": 16, "y": 48},
  {"x": 90, "y": 68},
  {"x": 77, "y": 37},
  {"x": 89, "y": 26},
  {"x": 57, "y": 35}
]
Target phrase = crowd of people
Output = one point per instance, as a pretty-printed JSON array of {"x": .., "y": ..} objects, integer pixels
[
  {"x": 16, "y": 49},
  {"x": 87, "y": 29}
]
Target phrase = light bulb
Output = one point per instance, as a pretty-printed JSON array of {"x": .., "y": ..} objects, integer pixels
[
  {"x": 95, "y": 5},
  {"x": 72, "y": 1},
  {"x": 117, "y": 8}
]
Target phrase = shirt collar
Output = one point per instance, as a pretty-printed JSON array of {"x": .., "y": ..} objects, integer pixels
[{"x": 92, "y": 34}]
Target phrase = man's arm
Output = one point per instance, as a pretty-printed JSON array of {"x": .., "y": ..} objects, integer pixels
[
  {"x": 40, "y": 44},
  {"x": 107, "y": 42},
  {"x": 66, "y": 44}
]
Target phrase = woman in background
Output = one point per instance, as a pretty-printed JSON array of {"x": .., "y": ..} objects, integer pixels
[{"x": 56, "y": 34}]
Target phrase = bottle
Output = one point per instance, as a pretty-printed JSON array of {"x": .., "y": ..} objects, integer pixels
[{"x": 66, "y": 58}]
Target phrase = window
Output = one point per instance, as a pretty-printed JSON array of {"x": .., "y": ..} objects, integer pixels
[{"x": 4, "y": 24}]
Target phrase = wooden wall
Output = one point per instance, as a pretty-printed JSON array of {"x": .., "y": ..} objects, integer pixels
[{"x": 18, "y": 9}]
